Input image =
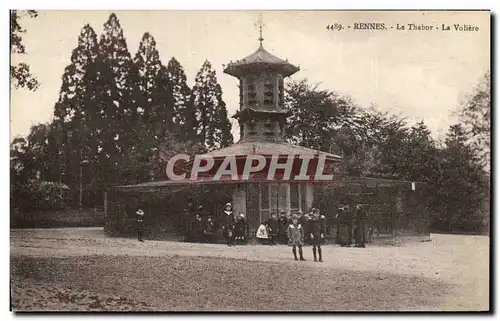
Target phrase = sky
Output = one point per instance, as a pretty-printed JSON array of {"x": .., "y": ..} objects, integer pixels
[{"x": 420, "y": 75}]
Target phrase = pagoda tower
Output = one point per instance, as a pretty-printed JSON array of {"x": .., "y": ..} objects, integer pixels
[
  {"x": 262, "y": 118},
  {"x": 261, "y": 115}
]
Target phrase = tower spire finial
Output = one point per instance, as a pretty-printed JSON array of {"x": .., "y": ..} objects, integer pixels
[{"x": 261, "y": 24}]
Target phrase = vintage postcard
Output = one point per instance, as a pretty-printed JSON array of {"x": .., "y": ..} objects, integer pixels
[{"x": 250, "y": 161}]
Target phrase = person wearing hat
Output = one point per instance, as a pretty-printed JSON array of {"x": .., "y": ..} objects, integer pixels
[
  {"x": 282, "y": 228},
  {"x": 323, "y": 222},
  {"x": 208, "y": 228},
  {"x": 140, "y": 224},
  {"x": 240, "y": 229},
  {"x": 228, "y": 224},
  {"x": 359, "y": 230},
  {"x": 273, "y": 225},
  {"x": 315, "y": 233},
  {"x": 295, "y": 236},
  {"x": 344, "y": 221}
]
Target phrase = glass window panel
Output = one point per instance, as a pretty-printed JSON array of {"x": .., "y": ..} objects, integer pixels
[
  {"x": 274, "y": 196},
  {"x": 264, "y": 215},
  {"x": 302, "y": 190},
  {"x": 264, "y": 196},
  {"x": 282, "y": 199},
  {"x": 294, "y": 195}
]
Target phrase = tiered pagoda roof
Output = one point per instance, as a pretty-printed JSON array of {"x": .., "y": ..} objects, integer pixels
[{"x": 260, "y": 59}]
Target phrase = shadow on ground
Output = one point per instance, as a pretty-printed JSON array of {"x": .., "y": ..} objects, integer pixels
[{"x": 179, "y": 283}]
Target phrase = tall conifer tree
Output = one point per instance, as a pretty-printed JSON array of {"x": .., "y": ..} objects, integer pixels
[
  {"x": 213, "y": 126},
  {"x": 184, "y": 113}
]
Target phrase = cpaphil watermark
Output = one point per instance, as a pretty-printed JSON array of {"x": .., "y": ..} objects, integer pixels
[{"x": 290, "y": 167}]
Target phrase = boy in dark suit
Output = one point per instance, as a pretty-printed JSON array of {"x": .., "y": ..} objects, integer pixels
[{"x": 315, "y": 235}]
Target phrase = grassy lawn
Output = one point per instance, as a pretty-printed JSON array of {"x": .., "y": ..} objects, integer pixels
[{"x": 76, "y": 270}]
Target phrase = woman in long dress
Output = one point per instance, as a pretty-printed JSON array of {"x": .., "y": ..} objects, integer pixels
[
  {"x": 228, "y": 224},
  {"x": 359, "y": 231},
  {"x": 344, "y": 226}
]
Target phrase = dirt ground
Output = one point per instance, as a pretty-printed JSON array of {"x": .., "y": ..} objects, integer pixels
[{"x": 81, "y": 269}]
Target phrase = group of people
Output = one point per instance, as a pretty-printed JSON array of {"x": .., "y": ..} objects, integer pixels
[
  {"x": 276, "y": 230},
  {"x": 234, "y": 229},
  {"x": 311, "y": 231},
  {"x": 201, "y": 228},
  {"x": 297, "y": 231},
  {"x": 352, "y": 226}
]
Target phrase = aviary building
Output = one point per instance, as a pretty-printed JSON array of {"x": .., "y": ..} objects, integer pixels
[{"x": 262, "y": 117}]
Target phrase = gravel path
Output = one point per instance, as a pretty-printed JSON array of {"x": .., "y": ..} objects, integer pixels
[{"x": 83, "y": 269}]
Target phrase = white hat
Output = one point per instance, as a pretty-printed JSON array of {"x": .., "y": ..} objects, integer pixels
[{"x": 140, "y": 212}]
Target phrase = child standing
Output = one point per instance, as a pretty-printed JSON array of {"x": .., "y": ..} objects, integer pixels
[
  {"x": 262, "y": 233},
  {"x": 240, "y": 229},
  {"x": 295, "y": 235},
  {"x": 140, "y": 225},
  {"x": 315, "y": 235}
]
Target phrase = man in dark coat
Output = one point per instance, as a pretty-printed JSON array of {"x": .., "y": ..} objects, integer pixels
[
  {"x": 322, "y": 220},
  {"x": 344, "y": 226},
  {"x": 140, "y": 225},
  {"x": 283, "y": 228},
  {"x": 272, "y": 225},
  {"x": 359, "y": 230},
  {"x": 189, "y": 221},
  {"x": 315, "y": 235},
  {"x": 228, "y": 224}
]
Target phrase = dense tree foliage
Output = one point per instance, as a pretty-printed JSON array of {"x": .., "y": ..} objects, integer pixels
[
  {"x": 379, "y": 145},
  {"x": 119, "y": 118},
  {"x": 476, "y": 116},
  {"x": 20, "y": 74},
  {"x": 117, "y": 115}
]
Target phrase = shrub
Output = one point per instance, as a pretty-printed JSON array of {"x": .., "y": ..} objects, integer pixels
[{"x": 40, "y": 195}]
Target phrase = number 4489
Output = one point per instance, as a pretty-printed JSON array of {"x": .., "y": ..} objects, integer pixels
[{"x": 334, "y": 26}]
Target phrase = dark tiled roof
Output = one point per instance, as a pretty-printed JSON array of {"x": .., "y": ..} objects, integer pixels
[
  {"x": 268, "y": 148},
  {"x": 261, "y": 57}
]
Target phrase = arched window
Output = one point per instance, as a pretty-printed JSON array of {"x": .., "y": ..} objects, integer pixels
[
  {"x": 281, "y": 93},
  {"x": 268, "y": 91},
  {"x": 252, "y": 129},
  {"x": 252, "y": 92},
  {"x": 270, "y": 128}
]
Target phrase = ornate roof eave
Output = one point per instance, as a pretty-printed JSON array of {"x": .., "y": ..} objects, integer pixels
[
  {"x": 260, "y": 59},
  {"x": 248, "y": 111},
  {"x": 239, "y": 70},
  {"x": 267, "y": 149}
]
